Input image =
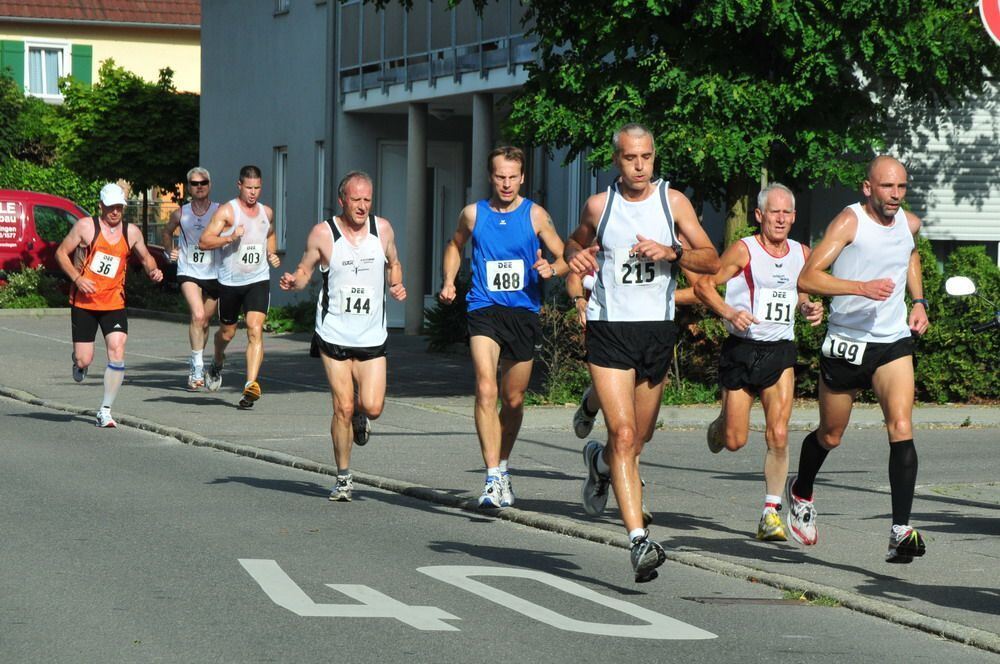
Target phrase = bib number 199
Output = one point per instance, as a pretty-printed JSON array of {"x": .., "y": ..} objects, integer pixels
[{"x": 840, "y": 348}]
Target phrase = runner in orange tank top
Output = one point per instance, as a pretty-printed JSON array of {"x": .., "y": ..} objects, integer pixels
[{"x": 94, "y": 256}]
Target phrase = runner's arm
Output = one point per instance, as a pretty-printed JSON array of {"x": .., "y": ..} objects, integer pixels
[
  {"x": 77, "y": 235},
  {"x": 814, "y": 278},
  {"x": 733, "y": 260},
  {"x": 686, "y": 297},
  {"x": 918, "y": 319},
  {"x": 272, "y": 240},
  {"x": 167, "y": 235},
  {"x": 699, "y": 253},
  {"x": 211, "y": 236},
  {"x": 393, "y": 268},
  {"x": 541, "y": 221},
  {"x": 310, "y": 257},
  {"x": 138, "y": 245},
  {"x": 580, "y": 251},
  {"x": 812, "y": 311},
  {"x": 451, "y": 263}
]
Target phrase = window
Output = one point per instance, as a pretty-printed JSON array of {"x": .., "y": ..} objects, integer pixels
[
  {"x": 281, "y": 6},
  {"x": 45, "y": 64},
  {"x": 280, "y": 194},
  {"x": 320, "y": 179},
  {"x": 52, "y": 223}
]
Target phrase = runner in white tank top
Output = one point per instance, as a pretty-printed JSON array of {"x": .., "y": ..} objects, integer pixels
[
  {"x": 242, "y": 233},
  {"x": 197, "y": 268},
  {"x": 871, "y": 252},
  {"x": 758, "y": 358},
  {"x": 356, "y": 253},
  {"x": 634, "y": 247}
]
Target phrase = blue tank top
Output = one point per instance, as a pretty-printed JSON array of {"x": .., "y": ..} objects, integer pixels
[{"x": 504, "y": 247}]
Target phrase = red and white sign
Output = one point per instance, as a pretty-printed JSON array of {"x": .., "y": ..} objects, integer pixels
[{"x": 989, "y": 11}]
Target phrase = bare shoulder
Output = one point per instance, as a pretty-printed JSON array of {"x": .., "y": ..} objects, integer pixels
[
  {"x": 913, "y": 220},
  {"x": 384, "y": 227},
  {"x": 594, "y": 207},
  {"x": 679, "y": 202},
  {"x": 467, "y": 217},
  {"x": 268, "y": 211},
  {"x": 843, "y": 227},
  {"x": 134, "y": 234}
]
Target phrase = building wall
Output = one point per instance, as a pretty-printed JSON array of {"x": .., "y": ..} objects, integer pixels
[
  {"x": 139, "y": 50},
  {"x": 263, "y": 87}
]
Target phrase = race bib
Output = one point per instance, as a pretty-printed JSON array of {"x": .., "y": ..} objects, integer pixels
[
  {"x": 356, "y": 300},
  {"x": 105, "y": 264},
  {"x": 505, "y": 275},
  {"x": 839, "y": 348},
  {"x": 251, "y": 255},
  {"x": 632, "y": 270},
  {"x": 775, "y": 305},
  {"x": 196, "y": 256}
]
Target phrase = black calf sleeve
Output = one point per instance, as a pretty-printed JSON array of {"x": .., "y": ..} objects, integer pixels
[
  {"x": 902, "y": 479},
  {"x": 811, "y": 459}
]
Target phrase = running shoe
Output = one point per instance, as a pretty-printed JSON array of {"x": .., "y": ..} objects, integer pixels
[
  {"x": 647, "y": 555},
  {"x": 250, "y": 394},
  {"x": 506, "y": 491},
  {"x": 492, "y": 493},
  {"x": 104, "y": 419},
  {"x": 361, "y": 426},
  {"x": 341, "y": 491},
  {"x": 78, "y": 373},
  {"x": 583, "y": 422},
  {"x": 715, "y": 442},
  {"x": 770, "y": 528},
  {"x": 905, "y": 544},
  {"x": 595, "y": 487},
  {"x": 213, "y": 379},
  {"x": 801, "y": 517}
]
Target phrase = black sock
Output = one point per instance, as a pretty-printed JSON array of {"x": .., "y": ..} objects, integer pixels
[
  {"x": 902, "y": 479},
  {"x": 811, "y": 459}
]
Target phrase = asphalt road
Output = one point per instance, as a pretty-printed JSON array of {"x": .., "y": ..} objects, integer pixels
[{"x": 125, "y": 546}]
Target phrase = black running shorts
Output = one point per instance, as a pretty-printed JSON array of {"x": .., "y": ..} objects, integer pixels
[
  {"x": 236, "y": 299},
  {"x": 645, "y": 346},
  {"x": 842, "y": 376},
  {"x": 84, "y": 323},
  {"x": 341, "y": 353},
  {"x": 517, "y": 331},
  {"x": 210, "y": 287},
  {"x": 754, "y": 365}
]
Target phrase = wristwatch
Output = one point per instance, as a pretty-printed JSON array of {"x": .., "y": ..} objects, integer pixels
[{"x": 679, "y": 250}]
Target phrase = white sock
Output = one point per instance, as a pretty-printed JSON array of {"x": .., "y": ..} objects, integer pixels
[
  {"x": 772, "y": 500},
  {"x": 503, "y": 466},
  {"x": 495, "y": 471},
  {"x": 602, "y": 466},
  {"x": 634, "y": 534},
  {"x": 114, "y": 374},
  {"x": 197, "y": 359}
]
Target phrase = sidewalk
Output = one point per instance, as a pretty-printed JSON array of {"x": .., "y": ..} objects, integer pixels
[{"x": 705, "y": 506}]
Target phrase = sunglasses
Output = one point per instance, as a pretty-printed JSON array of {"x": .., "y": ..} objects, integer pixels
[{"x": 199, "y": 183}]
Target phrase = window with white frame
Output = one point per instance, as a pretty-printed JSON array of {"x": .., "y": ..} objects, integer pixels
[
  {"x": 45, "y": 63},
  {"x": 280, "y": 194},
  {"x": 281, "y": 6}
]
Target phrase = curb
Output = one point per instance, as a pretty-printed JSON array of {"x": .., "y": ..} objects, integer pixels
[{"x": 953, "y": 631}]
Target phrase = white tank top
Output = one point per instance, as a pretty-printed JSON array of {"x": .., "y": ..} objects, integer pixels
[
  {"x": 245, "y": 261},
  {"x": 766, "y": 288},
  {"x": 351, "y": 307},
  {"x": 192, "y": 261},
  {"x": 630, "y": 288},
  {"x": 876, "y": 252}
]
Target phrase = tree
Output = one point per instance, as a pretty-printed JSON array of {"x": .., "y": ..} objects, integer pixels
[
  {"x": 123, "y": 127},
  {"x": 802, "y": 90}
]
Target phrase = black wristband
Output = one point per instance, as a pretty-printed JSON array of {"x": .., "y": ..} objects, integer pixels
[
  {"x": 577, "y": 297},
  {"x": 920, "y": 300}
]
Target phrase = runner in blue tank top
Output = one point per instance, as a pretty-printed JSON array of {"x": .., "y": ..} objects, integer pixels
[{"x": 503, "y": 304}]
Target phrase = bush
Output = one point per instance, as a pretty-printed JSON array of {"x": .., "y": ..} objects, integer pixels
[
  {"x": 297, "y": 317},
  {"x": 444, "y": 324},
  {"x": 56, "y": 179},
  {"x": 32, "y": 289},
  {"x": 143, "y": 293}
]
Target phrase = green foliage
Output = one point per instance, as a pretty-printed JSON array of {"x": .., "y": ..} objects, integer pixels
[
  {"x": 729, "y": 87},
  {"x": 27, "y": 125},
  {"x": 32, "y": 289},
  {"x": 143, "y": 293},
  {"x": 55, "y": 179},
  {"x": 444, "y": 324},
  {"x": 297, "y": 317},
  {"x": 124, "y": 127},
  {"x": 562, "y": 355}
]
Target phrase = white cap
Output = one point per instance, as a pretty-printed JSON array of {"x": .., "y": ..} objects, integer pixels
[{"x": 112, "y": 194}]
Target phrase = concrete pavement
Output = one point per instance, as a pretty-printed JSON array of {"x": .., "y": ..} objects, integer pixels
[{"x": 705, "y": 511}]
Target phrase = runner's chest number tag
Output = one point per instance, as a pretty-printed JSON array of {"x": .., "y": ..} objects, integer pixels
[
  {"x": 196, "y": 256},
  {"x": 839, "y": 348},
  {"x": 252, "y": 254},
  {"x": 632, "y": 270},
  {"x": 775, "y": 305},
  {"x": 104, "y": 264},
  {"x": 356, "y": 300},
  {"x": 505, "y": 275}
]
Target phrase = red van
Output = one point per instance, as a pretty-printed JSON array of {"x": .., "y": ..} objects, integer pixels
[{"x": 33, "y": 224}]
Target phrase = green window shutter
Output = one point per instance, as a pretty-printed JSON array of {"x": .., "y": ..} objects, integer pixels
[
  {"x": 83, "y": 57},
  {"x": 12, "y": 60}
]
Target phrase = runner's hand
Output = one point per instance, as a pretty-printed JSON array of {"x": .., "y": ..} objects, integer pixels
[
  {"x": 174, "y": 254},
  {"x": 156, "y": 276},
  {"x": 398, "y": 291},
  {"x": 918, "y": 319},
  {"x": 652, "y": 249},
  {"x": 287, "y": 282},
  {"x": 813, "y": 312},
  {"x": 585, "y": 261},
  {"x": 85, "y": 285},
  {"x": 877, "y": 289},
  {"x": 543, "y": 267},
  {"x": 274, "y": 260},
  {"x": 447, "y": 294},
  {"x": 741, "y": 320},
  {"x": 581, "y": 311}
]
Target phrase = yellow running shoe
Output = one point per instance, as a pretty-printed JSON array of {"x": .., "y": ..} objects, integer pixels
[
  {"x": 250, "y": 394},
  {"x": 770, "y": 528}
]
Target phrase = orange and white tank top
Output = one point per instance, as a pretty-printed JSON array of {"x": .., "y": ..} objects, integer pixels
[{"x": 105, "y": 264}]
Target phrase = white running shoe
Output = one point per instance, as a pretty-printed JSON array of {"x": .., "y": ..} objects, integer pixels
[
  {"x": 213, "y": 377},
  {"x": 595, "y": 487},
  {"x": 506, "y": 491},
  {"x": 492, "y": 492},
  {"x": 341, "y": 492},
  {"x": 646, "y": 555},
  {"x": 801, "y": 517},
  {"x": 104, "y": 419},
  {"x": 78, "y": 373},
  {"x": 905, "y": 544},
  {"x": 583, "y": 422},
  {"x": 361, "y": 427}
]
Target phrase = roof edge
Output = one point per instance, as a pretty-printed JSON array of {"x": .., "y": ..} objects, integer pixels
[{"x": 103, "y": 24}]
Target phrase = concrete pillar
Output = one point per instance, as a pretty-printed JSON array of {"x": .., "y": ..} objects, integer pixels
[
  {"x": 417, "y": 224},
  {"x": 482, "y": 143}
]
